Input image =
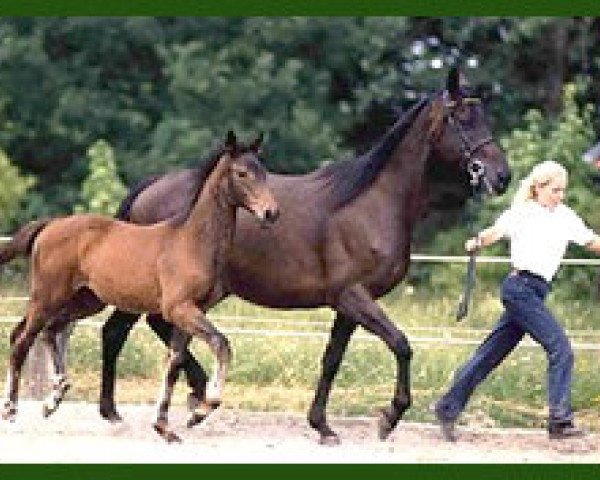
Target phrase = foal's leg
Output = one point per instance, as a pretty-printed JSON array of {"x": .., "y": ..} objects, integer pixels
[
  {"x": 342, "y": 330},
  {"x": 179, "y": 342},
  {"x": 195, "y": 374},
  {"x": 83, "y": 303},
  {"x": 189, "y": 318},
  {"x": 56, "y": 338},
  {"x": 22, "y": 337},
  {"x": 357, "y": 304}
]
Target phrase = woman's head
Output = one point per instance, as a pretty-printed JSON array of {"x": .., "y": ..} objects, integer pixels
[{"x": 545, "y": 184}]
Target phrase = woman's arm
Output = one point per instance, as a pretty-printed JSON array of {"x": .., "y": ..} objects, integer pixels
[{"x": 484, "y": 238}]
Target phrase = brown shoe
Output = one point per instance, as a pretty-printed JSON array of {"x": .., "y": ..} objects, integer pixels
[{"x": 558, "y": 432}]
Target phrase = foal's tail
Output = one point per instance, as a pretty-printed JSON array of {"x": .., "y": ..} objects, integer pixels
[{"x": 21, "y": 242}]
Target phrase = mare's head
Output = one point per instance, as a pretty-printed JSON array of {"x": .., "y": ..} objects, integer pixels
[
  {"x": 247, "y": 179},
  {"x": 462, "y": 142}
]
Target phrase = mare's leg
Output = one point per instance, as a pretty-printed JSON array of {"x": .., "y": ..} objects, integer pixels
[
  {"x": 114, "y": 333},
  {"x": 338, "y": 341},
  {"x": 356, "y": 304}
]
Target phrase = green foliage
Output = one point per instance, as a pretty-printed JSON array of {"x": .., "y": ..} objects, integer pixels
[
  {"x": 13, "y": 188},
  {"x": 102, "y": 190},
  {"x": 162, "y": 91}
]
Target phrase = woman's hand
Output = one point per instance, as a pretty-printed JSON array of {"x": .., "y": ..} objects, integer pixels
[{"x": 473, "y": 244}]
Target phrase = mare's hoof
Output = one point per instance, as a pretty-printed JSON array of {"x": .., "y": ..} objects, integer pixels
[
  {"x": 330, "y": 440},
  {"x": 168, "y": 435},
  {"x": 111, "y": 415},
  {"x": 385, "y": 427}
]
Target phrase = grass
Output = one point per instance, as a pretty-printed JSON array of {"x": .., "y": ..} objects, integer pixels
[{"x": 278, "y": 373}]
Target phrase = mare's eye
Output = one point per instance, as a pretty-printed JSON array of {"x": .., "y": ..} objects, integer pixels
[{"x": 242, "y": 173}]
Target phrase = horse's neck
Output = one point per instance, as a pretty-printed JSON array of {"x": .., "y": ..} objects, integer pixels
[
  {"x": 403, "y": 178},
  {"x": 211, "y": 221}
]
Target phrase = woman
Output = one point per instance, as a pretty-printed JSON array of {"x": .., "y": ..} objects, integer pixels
[{"x": 539, "y": 227}]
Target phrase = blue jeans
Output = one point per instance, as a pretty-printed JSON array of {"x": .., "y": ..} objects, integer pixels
[{"x": 523, "y": 299}]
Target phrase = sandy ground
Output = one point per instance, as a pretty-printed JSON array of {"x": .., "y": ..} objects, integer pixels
[{"x": 77, "y": 434}]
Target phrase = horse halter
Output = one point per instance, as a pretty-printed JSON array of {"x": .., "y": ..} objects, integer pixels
[{"x": 474, "y": 165}]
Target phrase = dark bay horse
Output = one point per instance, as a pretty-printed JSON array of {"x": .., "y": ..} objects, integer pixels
[{"x": 172, "y": 268}]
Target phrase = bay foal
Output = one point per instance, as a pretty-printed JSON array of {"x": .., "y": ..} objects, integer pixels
[{"x": 171, "y": 268}]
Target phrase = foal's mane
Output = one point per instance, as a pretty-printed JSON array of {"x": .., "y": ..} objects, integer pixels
[
  {"x": 201, "y": 174},
  {"x": 346, "y": 179}
]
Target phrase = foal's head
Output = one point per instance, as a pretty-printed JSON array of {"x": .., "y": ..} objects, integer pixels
[
  {"x": 247, "y": 179},
  {"x": 461, "y": 138}
]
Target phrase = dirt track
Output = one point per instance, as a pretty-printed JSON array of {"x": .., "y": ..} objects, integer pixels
[{"x": 77, "y": 434}]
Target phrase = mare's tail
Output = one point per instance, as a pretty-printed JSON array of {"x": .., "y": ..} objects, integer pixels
[{"x": 21, "y": 242}]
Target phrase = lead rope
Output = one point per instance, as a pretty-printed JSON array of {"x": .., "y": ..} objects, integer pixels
[{"x": 472, "y": 211}]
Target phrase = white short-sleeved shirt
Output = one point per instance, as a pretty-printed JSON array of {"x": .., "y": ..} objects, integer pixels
[{"x": 539, "y": 236}]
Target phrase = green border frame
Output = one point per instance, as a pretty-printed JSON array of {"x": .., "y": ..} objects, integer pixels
[
  {"x": 300, "y": 7},
  {"x": 345, "y": 471}
]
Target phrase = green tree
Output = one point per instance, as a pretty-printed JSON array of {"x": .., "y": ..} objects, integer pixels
[
  {"x": 102, "y": 190},
  {"x": 13, "y": 189}
]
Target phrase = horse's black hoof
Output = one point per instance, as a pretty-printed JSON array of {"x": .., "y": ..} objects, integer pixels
[
  {"x": 167, "y": 435},
  {"x": 330, "y": 440},
  {"x": 385, "y": 427},
  {"x": 47, "y": 411},
  {"x": 112, "y": 417},
  {"x": 171, "y": 437}
]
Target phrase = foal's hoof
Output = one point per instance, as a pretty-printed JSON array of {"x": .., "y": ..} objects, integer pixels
[
  {"x": 195, "y": 419},
  {"x": 47, "y": 410},
  {"x": 9, "y": 413},
  {"x": 168, "y": 435},
  {"x": 203, "y": 409},
  {"x": 385, "y": 426},
  {"x": 330, "y": 440}
]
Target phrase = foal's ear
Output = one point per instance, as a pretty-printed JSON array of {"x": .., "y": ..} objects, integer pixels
[
  {"x": 255, "y": 145},
  {"x": 231, "y": 141}
]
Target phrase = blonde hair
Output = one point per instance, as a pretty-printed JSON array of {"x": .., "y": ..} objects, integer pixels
[{"x": 541, "y": 174}]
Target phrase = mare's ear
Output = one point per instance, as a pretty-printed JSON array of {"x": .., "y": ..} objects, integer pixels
[
  {"x": 455, "y": 80},
  {"x": 231, "y": 141},
  {"x": 255, "y": 145}
]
